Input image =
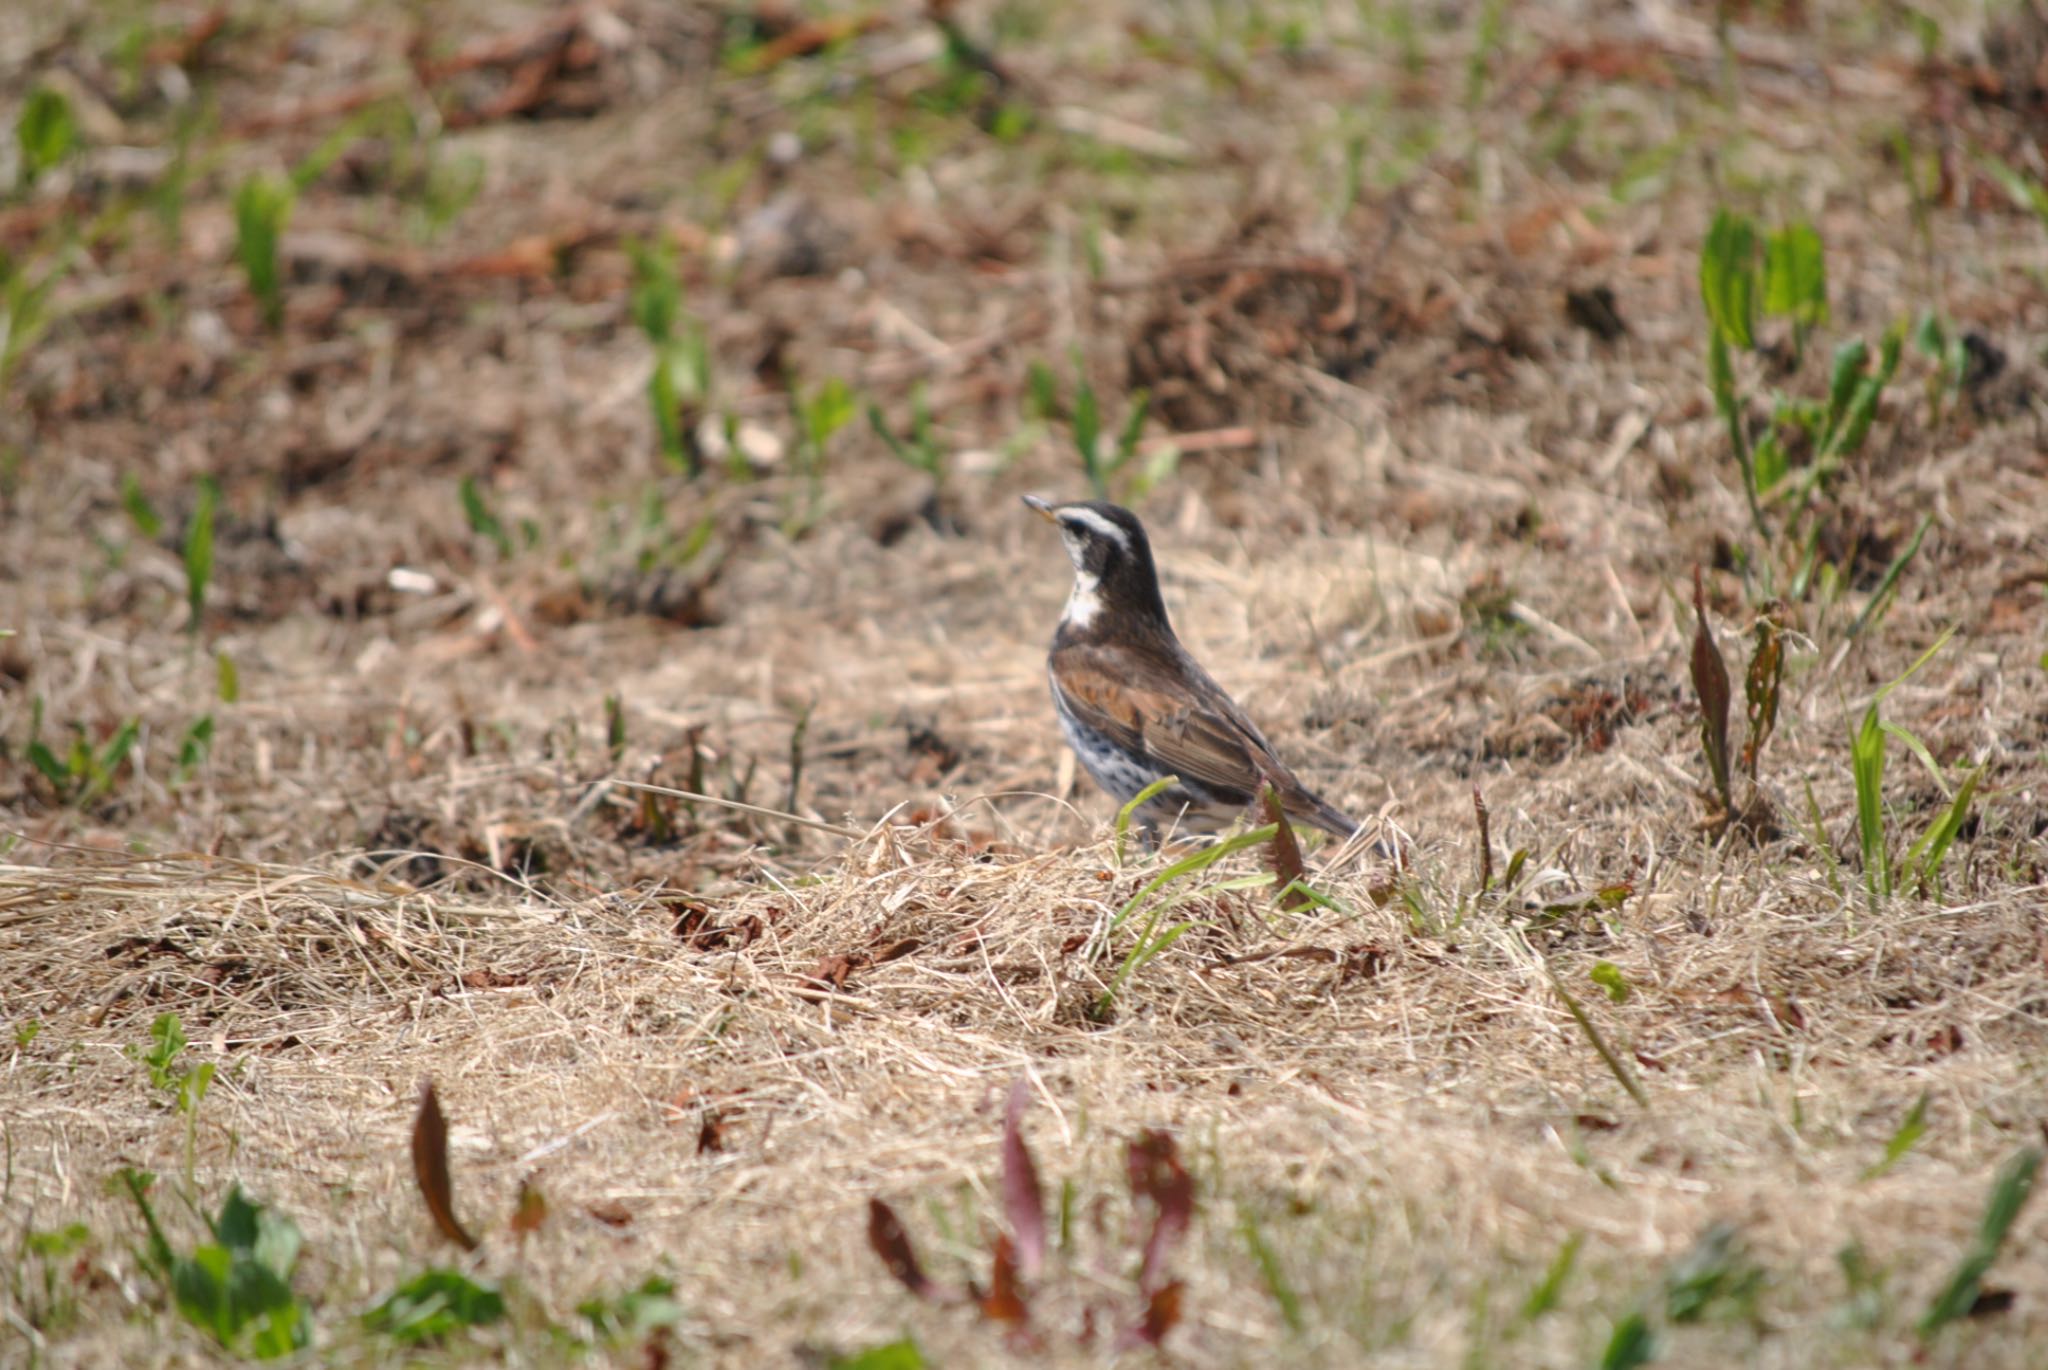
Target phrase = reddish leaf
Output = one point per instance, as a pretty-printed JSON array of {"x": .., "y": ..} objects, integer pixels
[
  {"x": 1485, "y": 840},
  {"x": 1710, "y": 683},
  {"x": 1023, "y": 1202},
  {"x": 530, "y": 1211},
  {"x": 888, "y": 1240},
  {"x": 1162, "y": 1312},
  {"x": 610, "y": 1212},
  {"x": 1004, "y": 1301},
  {"x": 1283, "y": 853},
  {"x": 1158, "y": 1176},
  {"x": 430, "y": 1167},
  {"x": 711, "y": 1131}
]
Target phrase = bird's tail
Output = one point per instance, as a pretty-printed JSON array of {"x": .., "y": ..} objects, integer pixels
[{"x": 1320, "y": 813}]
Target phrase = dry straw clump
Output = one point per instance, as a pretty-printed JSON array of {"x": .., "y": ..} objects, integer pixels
[{"x": 1390, "y": 1093}]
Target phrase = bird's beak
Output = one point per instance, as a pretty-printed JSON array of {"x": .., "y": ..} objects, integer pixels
[{"x": 1042, "y": 506}]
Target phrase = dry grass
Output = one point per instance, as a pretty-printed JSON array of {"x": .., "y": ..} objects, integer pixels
[{"x": 1452, "y": 557}]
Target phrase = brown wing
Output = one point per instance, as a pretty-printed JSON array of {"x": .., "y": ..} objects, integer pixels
[
  {"x": 1194, "y": 736},
  {"x": 1172, "y": 712}
]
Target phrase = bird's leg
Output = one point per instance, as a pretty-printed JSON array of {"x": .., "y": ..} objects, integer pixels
[{"x": 1148, "y": 835}]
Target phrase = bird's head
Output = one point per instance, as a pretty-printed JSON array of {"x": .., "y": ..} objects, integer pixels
[{"x": 1113, "y": 571}]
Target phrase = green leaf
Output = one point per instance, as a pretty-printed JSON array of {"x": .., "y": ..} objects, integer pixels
[
  {"x": 1087, "y": 436},
  {"x": 1909, "y": 1131},
  {"x": 54, "y": 771},
  {"x": 666, "y": 406},
  {"x": 1608, "y": 976},
  {"x": 1714, "y": 1269},
  {"x": 895, "y": 1355},
  {"x": 1929, "y": 336},
  {"x": 262, "y": 206},
  {"x": 167, "y": 1038},
  {"x": 1134, "y": 426},
  {"x": 1795, "y": 275},
  {"x": 432, "y": 1304},
  {"x": 1632, "y": 1344},
  {"x": 1861, "y": 412},
  {"x": 656, "y": 296},
  {"x": 1843, "y": 375},
  {"x": 1771, "y": 464},
  {"x": 888, "y": 436},
  {"x": 227, "y": 680},
  {"x": 58, "y": 1242},
  {"x": 45, "y": 131},
  {"x": 482, "y": 521},
  {"x": 158, "y": 1249},
  {"x": 1615, "y": 1065},
  {"x": 634, "y": 1313},
  {"x": 1728, "y": 278},
  {"x": 2026, "y": 192},
  {"x": 830, "y": 408},
  {"x": 1550, "y": 1290},
  {"x": 199, "y": 1286},
  {"x": 193, "y": 1085},
  {"x": 192, "y": 751},
  {"x": 140, "y": 511},
  {"x": 1926, "y": 855},
  {"x": 1041, "y": 392},
  {"x": 2009, "y": 1193}
]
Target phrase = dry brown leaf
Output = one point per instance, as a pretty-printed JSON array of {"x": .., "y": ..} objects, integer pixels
[
  {"x": 1157, "y": 1176},
  {"x": 430, "y": 1167},
  {"x": 1004, "y": 1301},
  {"x": 888, "y": 1240},
  {"x": 1283, "y": 853},
  {"x": 530, "y": 1211}
]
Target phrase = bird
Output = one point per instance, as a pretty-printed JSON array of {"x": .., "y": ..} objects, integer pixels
[{"x": 1136, "y": 706}]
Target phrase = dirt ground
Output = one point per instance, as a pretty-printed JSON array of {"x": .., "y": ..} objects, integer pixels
[{"x": 1413, "y": 293}]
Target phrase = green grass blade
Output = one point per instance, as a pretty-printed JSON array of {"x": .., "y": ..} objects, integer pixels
[
  {"x": 1087, "y": 434},
  {"x": 1614, "y": 1063},
  {"x": 140, "y": 511},
  {"x": 1890, "y": 580},
  {"x": 2009, "y": 1193},
  {"x": 1142, "y": 951},
  {"x": 1546, "y": 1295},
  {"x": 1200, "y": 859},
  {"x": 1822, "y": 843},
  {"x": 1632, "y": 1344},
  {"x": 1270, "y": 1273},
  {"x": 481, "y": 520},
  {"x": 1138, "y": 801},
  {"x": 1922, "y": 755},
  {"x": 1866, "y": 759},
  {"x": 1909, "y": 1131},
  {"x": 1926, "y": 856},
  {"x": 1914, "y": 669}
]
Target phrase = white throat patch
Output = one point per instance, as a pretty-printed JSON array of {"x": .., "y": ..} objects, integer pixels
[{"x": 1085, "y": 602}]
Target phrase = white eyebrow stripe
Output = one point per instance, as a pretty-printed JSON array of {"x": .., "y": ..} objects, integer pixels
[{"x": 1097, "y": 524}]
